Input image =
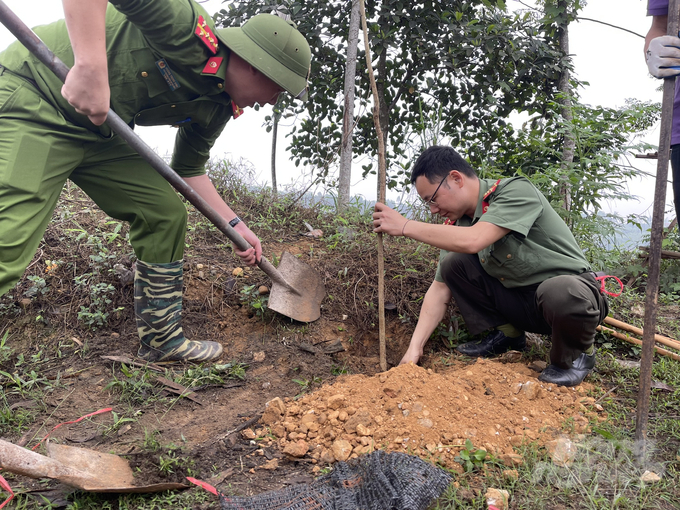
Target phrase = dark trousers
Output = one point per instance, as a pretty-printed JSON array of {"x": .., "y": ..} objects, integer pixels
[
  {"x": 675, "y": 167},
  {"x": 569, "y": 307}
]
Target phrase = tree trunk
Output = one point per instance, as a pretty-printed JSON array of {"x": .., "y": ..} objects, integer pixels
[
  {"x": 275, "y": 130},
  {"x": 348, "y": 116},
  {"x": 564, "y": 87},
  {"x": 384, "y": 106}
]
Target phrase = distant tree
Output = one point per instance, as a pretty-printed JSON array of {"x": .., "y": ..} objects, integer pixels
[
  {"x": 470, "y": 62},
  {"x": 604, "y": 140},
  {"x": 346, "y": 153}
]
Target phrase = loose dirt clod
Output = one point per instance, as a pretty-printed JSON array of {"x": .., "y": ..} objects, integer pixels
[{"x": 432, "y": 414}]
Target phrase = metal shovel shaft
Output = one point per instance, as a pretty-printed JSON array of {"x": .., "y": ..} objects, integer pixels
[{"x": 33, "y": 43}]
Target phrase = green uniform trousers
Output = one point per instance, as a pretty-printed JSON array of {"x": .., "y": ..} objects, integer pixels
[
  {"x": 569, "y": 307},
  {"x": 40, "y": 149}
]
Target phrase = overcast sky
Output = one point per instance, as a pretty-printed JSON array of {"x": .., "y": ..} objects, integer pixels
[{"x": 610, "y": 60}]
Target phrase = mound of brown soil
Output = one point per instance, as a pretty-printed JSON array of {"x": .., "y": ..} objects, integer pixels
[{"x": 429, "y": 414}]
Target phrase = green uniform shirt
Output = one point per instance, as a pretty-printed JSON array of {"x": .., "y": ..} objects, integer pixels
[
  {"x": 160, "y": 73},
  {"x": 539, "y": 245}
]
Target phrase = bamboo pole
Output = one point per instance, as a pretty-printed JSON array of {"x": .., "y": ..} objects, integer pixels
[
  {"x": 669, "y": 342},
  {"x": 381, "y": 190},
  {"x": 635, "y": 341},
  {"x": 652, "y": 290}
]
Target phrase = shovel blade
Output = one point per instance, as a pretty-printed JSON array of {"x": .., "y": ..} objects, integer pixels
[
  {"x": 103, "y": 470},
  {"x": 302, "y": 300}
]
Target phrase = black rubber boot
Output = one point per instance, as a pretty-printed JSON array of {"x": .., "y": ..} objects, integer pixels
[
  {"x": 494, "y": 343},
  {"x": 573, "y": 376}
]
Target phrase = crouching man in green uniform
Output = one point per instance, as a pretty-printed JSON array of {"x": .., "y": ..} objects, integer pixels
[
  {"x": 509, "y": 261},
  {"x": 154, "y": 62}
]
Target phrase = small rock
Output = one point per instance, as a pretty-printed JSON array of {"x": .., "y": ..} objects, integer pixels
[
  {"x": 199, "y": 266},
  {"x": 274, "y": 410},
  {"x": 511, "y": 357},
  {"x": 531, "y": 389},
  {"x": 624, "y": 363},
  {"x": 258, "y": 357},
  {"x": 341, "y": 450},
  {"x": 650, "y": 477},
  {"x": 248, "y": 434},
  {"x": 270, "y": 465},
  {"x": 511, "y": 474},
  {"x": 297, "y": 449},
  {"x": 277, "y": 405},
  {"x": 534, "y": 340},
  {"x": 360, "y": 450},
  {"x": 425, "y": 422},
  {"x": 538, "y": 366},
  {"x": 237, "y": 271},
  {"x": 498, "y": 498},
  {"x": 562, "y": 451},
  {"x": 512, "y": 459},
  {"x": 262, "y": 290},
  {"x": 392, "y": 390},
  {"x": 308, "y": 419},
  {"x": 327, "y": 456},
  {"x": 336, "y": 401},
  {"x": 362, "y": 430},
  {"x": 358, "y": 418}
]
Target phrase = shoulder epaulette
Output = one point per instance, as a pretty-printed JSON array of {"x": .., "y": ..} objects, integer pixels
[{"x": 206, "y": 35}]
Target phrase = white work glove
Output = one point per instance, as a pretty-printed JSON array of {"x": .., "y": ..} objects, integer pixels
[{"x": 663, "y": 56}]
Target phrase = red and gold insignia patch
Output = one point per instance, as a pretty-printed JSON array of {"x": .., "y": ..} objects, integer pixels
[
  {"x": 213, "y": 65},
  {"x": 205, "y": 34},
  {"x": 237, "y": 111}
]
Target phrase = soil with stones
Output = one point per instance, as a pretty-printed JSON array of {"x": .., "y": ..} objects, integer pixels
[{"x": 311, "y": 394}]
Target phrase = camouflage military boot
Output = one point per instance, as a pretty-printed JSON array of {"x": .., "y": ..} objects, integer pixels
[{"x": 158, "y": 310}]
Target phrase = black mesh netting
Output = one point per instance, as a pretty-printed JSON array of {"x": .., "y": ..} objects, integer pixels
[{"x": 378, "y": 481}]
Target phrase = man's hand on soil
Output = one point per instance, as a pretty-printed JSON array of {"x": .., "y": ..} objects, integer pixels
[{"x": 411, "y": 356}]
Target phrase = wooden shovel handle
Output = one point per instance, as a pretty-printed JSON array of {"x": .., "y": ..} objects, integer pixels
[
  {"x": 629, "y": 327},
  {"x": 635, "y": 341}
]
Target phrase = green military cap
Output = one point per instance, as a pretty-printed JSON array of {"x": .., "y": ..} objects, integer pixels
[{"x": 274, "y": 47}]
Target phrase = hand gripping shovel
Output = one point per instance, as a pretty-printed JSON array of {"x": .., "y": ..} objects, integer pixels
[{"x": 296, "y": 291}]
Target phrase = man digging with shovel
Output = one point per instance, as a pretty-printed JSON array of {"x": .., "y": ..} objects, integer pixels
[
  {"x": 509, "y": 261},
  {"x": 154, "y": 62}
]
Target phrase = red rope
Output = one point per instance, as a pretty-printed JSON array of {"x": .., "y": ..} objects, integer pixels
[
  {"x": 203, "y": 485},
  {"x": 602, "y": 279},
  {"x": 5, "y": 485},
  {"x": 108, "y": 409}
]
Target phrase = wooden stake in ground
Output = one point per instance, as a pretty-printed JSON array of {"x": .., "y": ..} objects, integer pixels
[
  {"x": 652, "y": 292},
  {"x": 381, "y": 190}
]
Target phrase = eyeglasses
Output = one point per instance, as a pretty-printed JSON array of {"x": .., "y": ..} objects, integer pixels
[{"x": 431, "y": 200}]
